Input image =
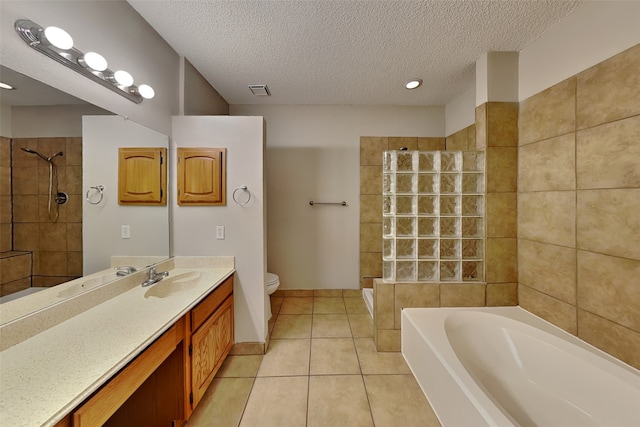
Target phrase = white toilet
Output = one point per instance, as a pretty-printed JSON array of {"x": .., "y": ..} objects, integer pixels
[{"x": 273, "y": 281}]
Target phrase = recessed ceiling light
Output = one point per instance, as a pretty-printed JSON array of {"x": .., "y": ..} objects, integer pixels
[
  {"x": 6, "y": 86},
  {"x": 413, "y": 83}
]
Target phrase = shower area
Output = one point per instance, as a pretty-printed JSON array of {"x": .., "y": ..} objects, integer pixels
[{"x": 41, "y": 225}]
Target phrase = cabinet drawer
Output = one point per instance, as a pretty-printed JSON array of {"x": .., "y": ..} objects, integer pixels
[{"x": 206, "y": 307}]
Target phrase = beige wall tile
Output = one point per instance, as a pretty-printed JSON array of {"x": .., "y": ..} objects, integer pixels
[
  {"x": 608, "y": 336},
  {"x": 52, "y": 264},
  {"x": 370, "y": 180},
  {"x": 501, "y": 214},
  {"x": 15, "y": 267},
  {"x": 397, "y": 400},
  {"x": 608, "y": 287},
  {"x": 550, "y": 309},
  {"x": 73, "y": 151},
  {"x": 74, "y": 236},
  {"x": 472, "y": 137},
  {"x": 549, "y": 113},
  {"x": 24, "y": 180},
  {"x": 6, "y": 241},
  {"x": 371, "y": 264},
  {"x": 383, "y": 304},
  {"x": 501, "y": 294},
  {"x": 501, "y": 260},
  {"x": 502, "y": 124},
  {"x": 74, "y": 179},
  {"x": 608, "y": 222},
  {"x": 5, "y": 210},
  {"x": 73, "y": 209},
  {"x": 415, "y": 295},
  {"x": 481, "y": 126},
  {"x": 20, "y": 158},
  {"x": 502, "y": 169},
  {"x": 50, "y": 146},
  {"x": 371, "y": 148},
  {"x": 26, "y": 237},
  {"x": 15, "y": 286},
  {"x": 462, "y": 294},
  {"x": 74, "y": 263},
  {"x": 608, "y": 156},
  {"x": 431, "y": 144},
  {"x": 388, "y": 340},
  {"x": 398, "y": 142},
  {"x": 5, "y": 181},
  {"x": 53, "y": 236},
  {"x": 548, "y": 217},
  {"x": 548, "y": 165},
  {"x": 370, "y": 208},
  {"x": 458, "y": 141},
  {"x": 610, "y": 90},
  {"x": 23, "y": 208},
  {"x": 371, "y": 237},
  {"x": 548, "y": 268}
]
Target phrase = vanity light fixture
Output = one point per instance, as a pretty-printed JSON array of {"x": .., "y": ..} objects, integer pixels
[
  {"x": 6, "y": 86},
  {"x": 57, "y": 44},
  {"x": 413, "y": 84}
]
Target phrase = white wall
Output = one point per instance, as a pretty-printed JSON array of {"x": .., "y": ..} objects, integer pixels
[
  {"x": 112, "y": 28},
  {"x": 313, "y": 153},
  {"x": 461, "y": 112},
  {"x": 198, "y": 97},
  {"x": 101, "y": 223},
  {"x": 5, "y": 121},
  {"x": 594, "y": 32},
  {"x": 193, "y": 232},
  {"x": 51, "y": 120}
]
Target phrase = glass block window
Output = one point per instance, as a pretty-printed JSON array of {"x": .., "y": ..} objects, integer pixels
[{"x": 433, "y": 216}]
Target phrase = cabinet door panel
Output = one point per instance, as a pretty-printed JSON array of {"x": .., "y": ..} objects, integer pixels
[
  {"x": 201, "y": 176},
  {"x": 211, "y": 342},
  {"x": 142, "y": 176}
]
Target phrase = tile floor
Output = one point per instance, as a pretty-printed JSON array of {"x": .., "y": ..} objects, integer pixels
[{"x": 321, "y": 369}]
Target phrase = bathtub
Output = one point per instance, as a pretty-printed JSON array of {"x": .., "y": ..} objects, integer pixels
[{"x": 503, "y": 366}]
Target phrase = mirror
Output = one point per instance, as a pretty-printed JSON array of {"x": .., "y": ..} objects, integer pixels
[{"x": 79, "y": 238}]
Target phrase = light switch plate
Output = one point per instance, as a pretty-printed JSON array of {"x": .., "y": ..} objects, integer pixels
[
  {"x": 220, "y": 232},
  {"x": 125, "y": 232}
]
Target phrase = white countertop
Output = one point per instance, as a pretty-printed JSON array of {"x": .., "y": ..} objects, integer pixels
[{"x": 46, "y": 376}]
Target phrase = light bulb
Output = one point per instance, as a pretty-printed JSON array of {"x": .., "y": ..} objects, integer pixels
[
  {"x": 413, "y": 83},
  {"x": 146, "y": 91},
  {"x": 58, "y": 37},
  {"x": 6, "y": 86},
  {"x": 123, "y": 78},
  {"x": 95, "y": 61}
]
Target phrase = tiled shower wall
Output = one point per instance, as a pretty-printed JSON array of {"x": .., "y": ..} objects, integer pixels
[
  {"x": 579, "y": 205},
  {"x": 56, "y": 248}
]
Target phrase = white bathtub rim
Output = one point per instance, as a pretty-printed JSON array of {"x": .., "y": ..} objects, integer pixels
[{"x": 490, "y": 413}]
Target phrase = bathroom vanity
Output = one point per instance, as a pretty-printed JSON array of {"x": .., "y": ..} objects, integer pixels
[{"x": 141, "y": 356}]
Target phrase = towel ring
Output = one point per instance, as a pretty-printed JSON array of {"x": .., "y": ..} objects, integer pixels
[
  {"x": 100, "y": 190},
  {"x": 243, "y": 188}
]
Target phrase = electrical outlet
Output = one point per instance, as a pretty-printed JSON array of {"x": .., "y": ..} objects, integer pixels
[
  {"x": 220, "y": 232},
  {"x": 125, "y": 232}
]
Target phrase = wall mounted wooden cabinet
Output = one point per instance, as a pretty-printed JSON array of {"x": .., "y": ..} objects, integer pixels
[
  {"x": 142, "y": 176},
  {"x": 202, "y": 176}
]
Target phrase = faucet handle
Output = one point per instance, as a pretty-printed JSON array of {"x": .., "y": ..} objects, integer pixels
[{"x": 125, "y": 270}]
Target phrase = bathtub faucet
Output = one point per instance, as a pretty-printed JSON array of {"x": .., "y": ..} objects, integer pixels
[
  {"x": 125, "y": 270},
  {"x": 154, "y": 277}
]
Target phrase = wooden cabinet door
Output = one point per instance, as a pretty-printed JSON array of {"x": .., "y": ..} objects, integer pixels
[
  {"x": 142, "y": 176},
  {"x": 210, "y": 344},
  {"x": 201, "y": 176}
]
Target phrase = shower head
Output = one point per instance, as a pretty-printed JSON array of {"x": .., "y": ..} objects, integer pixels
[
  {"x": 29, "y": 150},
  {"x": 46, "y": 159}
]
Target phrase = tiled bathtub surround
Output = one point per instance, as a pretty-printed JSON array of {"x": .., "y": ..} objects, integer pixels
[
  {"x": 578, "y": 204},
  {"x": 56, "y": 247}
]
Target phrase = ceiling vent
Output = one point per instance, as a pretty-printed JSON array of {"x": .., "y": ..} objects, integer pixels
[{"x": 260, "y": 90}]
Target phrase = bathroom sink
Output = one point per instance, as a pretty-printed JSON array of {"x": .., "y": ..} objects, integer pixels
[
  {"x": 173, "y": 285},
  {"x": 84, "y": 284}
]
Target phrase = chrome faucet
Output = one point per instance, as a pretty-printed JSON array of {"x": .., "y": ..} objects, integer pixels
[
  {"x": 154, "y": 277},
  {"x": 125, "y": 270}
]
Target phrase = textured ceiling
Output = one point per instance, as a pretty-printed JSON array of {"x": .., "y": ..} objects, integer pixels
[{"x": 346, "y": 52}]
